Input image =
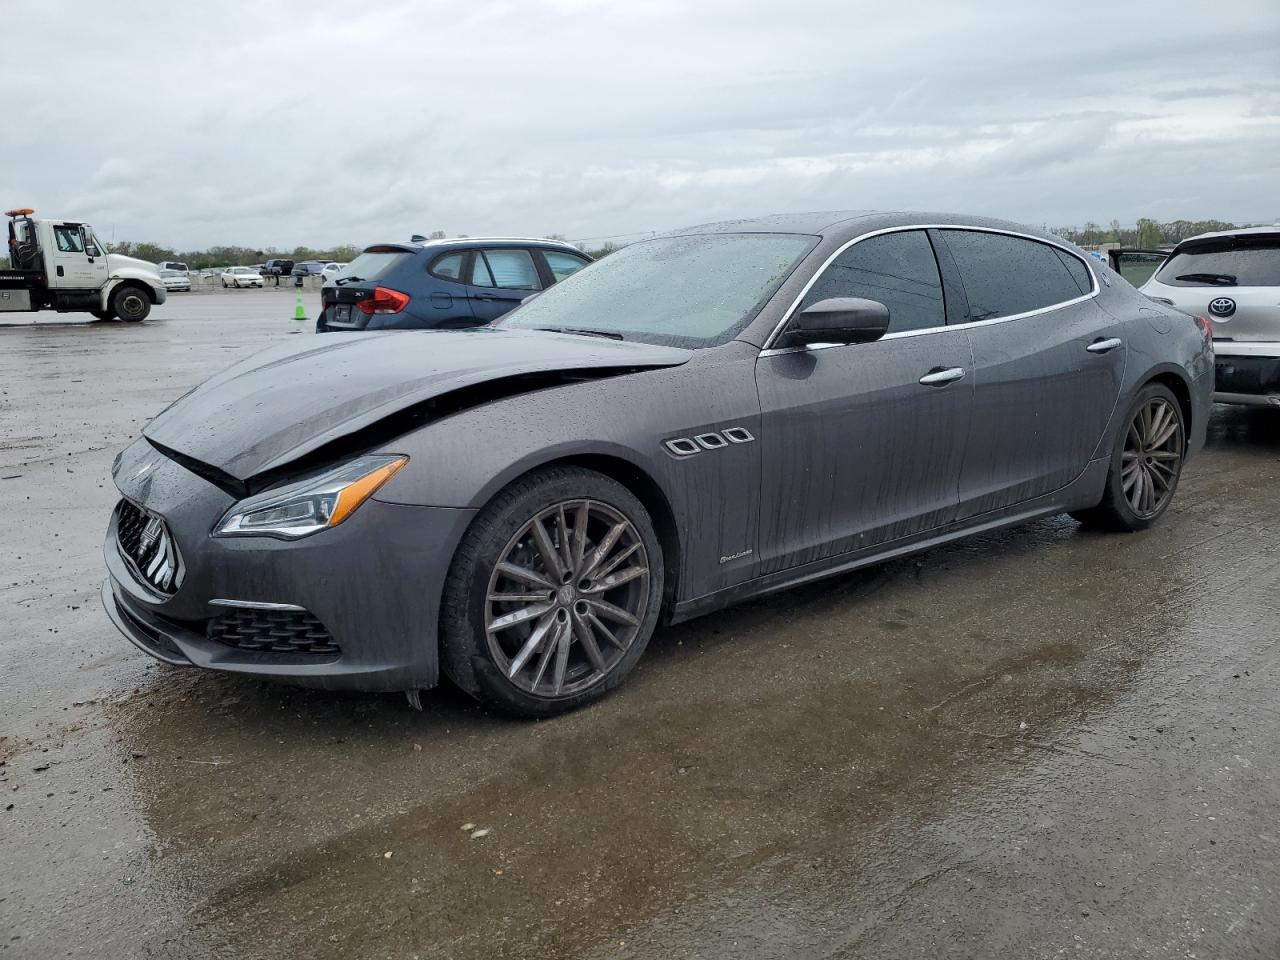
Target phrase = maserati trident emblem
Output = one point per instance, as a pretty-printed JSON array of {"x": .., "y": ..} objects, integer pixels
[{"x": 1222, "y": 306}]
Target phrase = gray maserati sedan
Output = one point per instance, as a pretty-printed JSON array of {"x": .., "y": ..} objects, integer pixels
[{"x": 706, "y": 416}]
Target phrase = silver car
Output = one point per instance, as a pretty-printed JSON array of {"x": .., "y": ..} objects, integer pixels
[{"x": 1233, "y": 279}]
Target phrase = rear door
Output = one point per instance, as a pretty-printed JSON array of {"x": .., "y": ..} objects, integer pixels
[
  {"x": 1048, "y": 363},
  {"x": 500, "y": 278}
]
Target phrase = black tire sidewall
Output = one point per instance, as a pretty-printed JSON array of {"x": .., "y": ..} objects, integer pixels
[
  {"x": 120, "y": 294},
  {"x": 465, "y": 655},
  {"x": 1115, "y": 502}
]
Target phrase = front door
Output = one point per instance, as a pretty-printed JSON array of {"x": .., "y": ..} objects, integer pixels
[
  {"x": 1047, "y": 367},
  {"x": 77, "y": 265},
  {"x": 861, "y": 444},
  {"x": 500, "y": 279}
]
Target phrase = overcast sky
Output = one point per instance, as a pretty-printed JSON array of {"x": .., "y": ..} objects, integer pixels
[{"x": 276, "y": 124}]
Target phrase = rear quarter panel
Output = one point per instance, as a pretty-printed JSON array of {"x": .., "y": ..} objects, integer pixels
[{"x": 1162, "y": 342}]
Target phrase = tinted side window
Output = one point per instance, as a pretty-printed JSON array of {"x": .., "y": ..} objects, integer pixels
[
  {"x": 563, "y": 264},
  {"x": 1006, "y": 275},
  {"x": 448, "y": 267},
  {"x": 480, "y": 276},
  {"x": 1079, "y": 272},
  {"x": 898, "y": 269},
  {"x": 512, "y": 269}
]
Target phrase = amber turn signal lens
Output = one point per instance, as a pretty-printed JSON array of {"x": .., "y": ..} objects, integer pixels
[{"x": 361, "y": 490}]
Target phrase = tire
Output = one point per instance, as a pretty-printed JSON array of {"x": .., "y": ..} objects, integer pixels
[
  {"x": 224, "y": 284},
  {"x": 130, "y": 303},
  {"x": 1146, "y": 464},
  {"x": 102, "y": 314},
  {"x": 562, "y": 646}
]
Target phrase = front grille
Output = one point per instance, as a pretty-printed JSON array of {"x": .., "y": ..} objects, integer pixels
[
  {"x": 146, "y": 542},
  {"x": 274, "y": 631}
]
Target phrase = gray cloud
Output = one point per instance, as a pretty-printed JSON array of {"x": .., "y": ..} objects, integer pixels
[{"x": 324, "y": 122}]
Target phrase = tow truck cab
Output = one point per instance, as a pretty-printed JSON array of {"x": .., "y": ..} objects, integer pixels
[{"x": 60, "y": 265}]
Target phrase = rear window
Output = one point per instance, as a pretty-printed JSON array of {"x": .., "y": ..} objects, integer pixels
[
  {"x": 1231, "y": 262},
  {"x": 374, "y": 266}
]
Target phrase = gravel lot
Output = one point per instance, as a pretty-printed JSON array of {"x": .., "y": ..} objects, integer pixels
[{"x": 1042, "y": 742}]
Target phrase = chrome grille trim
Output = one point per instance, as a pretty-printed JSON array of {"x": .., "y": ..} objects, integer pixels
[{"x": 148, "y": 548}]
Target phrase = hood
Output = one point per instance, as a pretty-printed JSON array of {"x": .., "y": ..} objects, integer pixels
[
  {"x": 117, "y": 262},
  {"x": 288, "y": 401}
]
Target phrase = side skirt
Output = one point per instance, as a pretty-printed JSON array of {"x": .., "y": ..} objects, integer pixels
[{"x": 1084, "y": 491}]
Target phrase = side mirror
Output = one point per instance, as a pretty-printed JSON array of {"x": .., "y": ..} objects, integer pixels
[{"x": 840, "y": 320}]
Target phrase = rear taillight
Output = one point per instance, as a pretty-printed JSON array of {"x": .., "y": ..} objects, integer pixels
[
  {"x": 1205, "y": 326},
  {"x": 384, "y": 300}
]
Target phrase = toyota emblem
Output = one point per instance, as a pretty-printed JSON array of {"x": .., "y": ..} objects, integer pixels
[{"x": 1222, "y": 306}]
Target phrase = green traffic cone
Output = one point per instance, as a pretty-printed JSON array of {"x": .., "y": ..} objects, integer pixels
[{"x": 299, "y": 311}]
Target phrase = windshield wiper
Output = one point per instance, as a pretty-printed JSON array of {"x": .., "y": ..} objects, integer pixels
[
  {"x": 341, "y": 280},
  {"x": 583, "y": 332},
  {"x": 1217, "y": 279}
]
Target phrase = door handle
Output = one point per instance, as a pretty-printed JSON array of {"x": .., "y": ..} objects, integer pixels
[
  {"x": 940, "y": 376},
  {"x": 1103, "y": 346}
]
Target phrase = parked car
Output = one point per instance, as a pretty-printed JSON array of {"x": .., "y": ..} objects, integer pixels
[
  {"x": 241, "y": 277},
  {"x": 694, "y": 420},
  {"x": 307, "y": 268},
  {"x": 277, "y": 268},
  {"x": 443, "y": 283},
  {"x": 1233, "y": 277},
  {"x": 173, "y": 265},
  {"x": 175, "y": 280},
  {"x": 331, "y": 270}
]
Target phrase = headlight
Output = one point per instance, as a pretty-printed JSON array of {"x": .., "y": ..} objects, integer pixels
[{"x": 310, "y": 505}]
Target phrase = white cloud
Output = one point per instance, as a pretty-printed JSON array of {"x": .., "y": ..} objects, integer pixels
[{"x": 324, "y": 122}]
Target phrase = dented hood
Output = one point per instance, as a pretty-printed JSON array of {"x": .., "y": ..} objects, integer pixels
[{"x": 290, "y": 400}]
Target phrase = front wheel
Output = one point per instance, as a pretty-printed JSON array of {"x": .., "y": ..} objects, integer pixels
[
  {"x": 553, "y": 593},
  {"x": 130, "y": 303},
  {"x": 1146, "y": 464}
]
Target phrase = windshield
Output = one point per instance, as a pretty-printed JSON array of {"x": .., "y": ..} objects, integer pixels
[
  {"x": 680, "y": 291},
  {"x": 1230, "y": 262},
  {"x": 375, "y": 265}
]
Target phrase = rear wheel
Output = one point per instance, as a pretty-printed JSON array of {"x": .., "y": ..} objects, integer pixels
[
  {"x": 130, "y": 303},
  {"x": 1145, "y": 464},
  {"x": 553, "y": 593}
]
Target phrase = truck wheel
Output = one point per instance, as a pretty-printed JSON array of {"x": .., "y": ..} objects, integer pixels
[{"x": 130, "y": 303}]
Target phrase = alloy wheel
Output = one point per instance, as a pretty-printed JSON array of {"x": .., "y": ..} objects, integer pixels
[
  {"x": 567, "y": 598},
  {"x": 1152, "y": 457}
]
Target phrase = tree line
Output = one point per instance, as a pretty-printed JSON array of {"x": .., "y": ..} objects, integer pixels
[{"x": 1146, "y": 234}]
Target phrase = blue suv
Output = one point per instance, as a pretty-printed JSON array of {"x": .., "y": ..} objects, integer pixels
[{"x": 442, "y": 283}]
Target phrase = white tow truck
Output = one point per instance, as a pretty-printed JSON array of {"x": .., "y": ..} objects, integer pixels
[{"x": 60, "y": 265}]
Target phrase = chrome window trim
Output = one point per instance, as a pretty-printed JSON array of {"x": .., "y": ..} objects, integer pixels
[
  {"x": 255, "y": 605},
  {"x": 770, "y": 351}
]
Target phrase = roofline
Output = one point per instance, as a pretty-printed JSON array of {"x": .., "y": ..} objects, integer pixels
[{"x": 448, "y": 240}]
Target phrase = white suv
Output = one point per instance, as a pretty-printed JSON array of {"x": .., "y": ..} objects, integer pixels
[{"x": 1233, "y": 278}]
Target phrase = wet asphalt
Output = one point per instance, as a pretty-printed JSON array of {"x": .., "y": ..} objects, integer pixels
[{"x": 1042, "y": 742}]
